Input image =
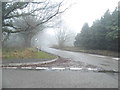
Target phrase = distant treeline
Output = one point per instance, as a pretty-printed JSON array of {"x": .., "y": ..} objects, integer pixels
[{"x": 102, "y": 35}]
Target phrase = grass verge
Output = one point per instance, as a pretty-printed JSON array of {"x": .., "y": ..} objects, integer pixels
[
  {"x": 29, "y": 53},
  {"x": 99, "y": 52}
]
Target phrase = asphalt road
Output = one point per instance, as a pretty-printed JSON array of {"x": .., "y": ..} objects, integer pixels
[
  {"x": 105, "y": 62},
  {"x": 65, "y": 79},
  {"x": 56, "y": 79}
]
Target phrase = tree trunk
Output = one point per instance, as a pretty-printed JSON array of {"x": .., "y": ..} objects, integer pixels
[{"x": 27, "y": 42}]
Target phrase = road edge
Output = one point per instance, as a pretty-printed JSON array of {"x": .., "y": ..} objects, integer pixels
[{"x": 33, "y": 63}]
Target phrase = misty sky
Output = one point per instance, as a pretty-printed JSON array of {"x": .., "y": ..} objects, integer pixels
[
  {"x": 80, "y": 12},
  {"x": 87, "y": 11}
]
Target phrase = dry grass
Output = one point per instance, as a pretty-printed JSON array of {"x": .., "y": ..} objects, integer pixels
[{"x": 25, "y": 54}]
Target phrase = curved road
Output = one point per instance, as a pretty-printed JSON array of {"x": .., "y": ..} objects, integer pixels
[
  {"x": 64, "y": 79},
  {"x": 105, "y": 62}
]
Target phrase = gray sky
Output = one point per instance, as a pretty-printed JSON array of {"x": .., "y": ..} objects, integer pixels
[
  {"x": 81, "y": 11},
  {"x": 87, "y": 11}
]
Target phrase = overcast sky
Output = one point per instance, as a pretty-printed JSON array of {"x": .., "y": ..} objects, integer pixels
[
  {"x": 86, "y": 11},
  {"x": 81, "y": 11}
]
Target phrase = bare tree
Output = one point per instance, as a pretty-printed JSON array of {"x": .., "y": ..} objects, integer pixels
[
  {"x": 28, "y": 34},
  {"x": 63, "y": 36},
  {"x": 0, "y": 25},
  {"x": 33, "y": 14}
]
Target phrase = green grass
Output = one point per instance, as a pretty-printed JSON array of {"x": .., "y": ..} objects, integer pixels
[
  {"x": 99, "y": 52},
  {"x": 25, "y": 54}
]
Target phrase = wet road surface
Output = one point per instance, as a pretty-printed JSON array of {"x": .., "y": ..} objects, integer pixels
[
  {"x": 105, "y": 62},
  {"x": 65, "y": 78},
  {"x": 56, "y": 79}
]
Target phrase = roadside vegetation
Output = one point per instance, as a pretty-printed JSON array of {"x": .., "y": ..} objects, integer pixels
[
  {"x": 99, "y": 52},
  {"x": 101, "y": 38},
  {"x": 102, "y": 35},
  {"x": 29, "y": 53}
]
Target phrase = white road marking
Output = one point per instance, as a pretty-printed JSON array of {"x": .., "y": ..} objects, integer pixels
[
  {"x": 100, "y": 56},
  {"x": 26, "y": 67},
  {"x": 40, "y": 68},
  {"x": 97, "y": 55},
  {"x": 92, "y": 69},
  {"x": 17, "y": 64},
  {"x": 55, "y": 68},
  {"x": 116, "y": 58},
  {"x": 10, "y": 67},
  {"x": 75, "y": 68}
]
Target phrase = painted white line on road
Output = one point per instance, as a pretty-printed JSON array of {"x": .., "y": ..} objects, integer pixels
[
  {"x": 17, "y": 64},
  {"x": 10, "y": 67},
  {"x": 55, "y": 68},
  {"x": 100, "y": 56},
  {"x": 97, "y": 55},
  {"x": 75, "y": 68},
  {"x": 92, "y": 69},
  {"x": 40, "y": 68},
  {"x": 26, "y": 67},
  {"x": 116, "y": 58}
]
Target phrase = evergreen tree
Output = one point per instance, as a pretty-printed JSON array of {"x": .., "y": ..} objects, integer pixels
[{"x": 103, "y": 34}]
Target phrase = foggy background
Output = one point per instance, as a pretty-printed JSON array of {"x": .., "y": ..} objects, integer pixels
[{"x": 81, "y": 11}]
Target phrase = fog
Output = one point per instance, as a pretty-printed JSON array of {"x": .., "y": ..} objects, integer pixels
[
  {"x": 43, "y": 38},
  {"x": 47, "y": 38},
  {"x": 80, "y": 12}
]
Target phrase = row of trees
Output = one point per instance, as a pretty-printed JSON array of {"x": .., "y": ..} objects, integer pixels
[
  {"x": 28, "y": 18},
  {"x": 103, "y": 34}
]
